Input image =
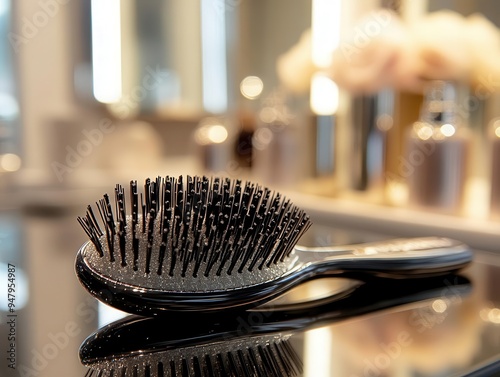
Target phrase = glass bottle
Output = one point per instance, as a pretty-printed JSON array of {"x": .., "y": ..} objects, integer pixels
[{"x": 435, "y": 165}]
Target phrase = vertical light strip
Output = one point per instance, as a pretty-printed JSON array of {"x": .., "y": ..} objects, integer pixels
[
  {"x": 325, "y": 34},
  {"x": 106, "y": 50},
  {"x": 318, "y": 353},
  {"x": 213, "y": 60},
  {"x": 325, "y": 30},
  {"x": 318, "y": 343},
  {"x": 324, "y": 95}
]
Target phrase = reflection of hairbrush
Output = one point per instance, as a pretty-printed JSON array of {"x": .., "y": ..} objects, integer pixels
[
  {"x": 225, "y": 343},
  {"x": 200, "y": 244},
  {"x": 131, "y": 348}
]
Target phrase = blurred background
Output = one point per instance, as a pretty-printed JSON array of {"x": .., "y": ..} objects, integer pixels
[
  {"x": 381, "y": 109},
  {"x": 378, "y": 116}
]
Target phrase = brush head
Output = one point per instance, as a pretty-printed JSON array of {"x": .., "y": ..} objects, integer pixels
[{"x": 192, "y": 234}]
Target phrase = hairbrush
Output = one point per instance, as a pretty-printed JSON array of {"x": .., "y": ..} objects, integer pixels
[
  {"x": 241, "y": 343},
  {"x": 194, "y": 243}
]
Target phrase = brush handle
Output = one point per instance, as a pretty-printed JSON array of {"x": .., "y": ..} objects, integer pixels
[{"x": 397, "y": 258}]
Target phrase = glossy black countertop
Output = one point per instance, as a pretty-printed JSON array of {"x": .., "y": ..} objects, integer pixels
[{"x": 445, "y": 327}]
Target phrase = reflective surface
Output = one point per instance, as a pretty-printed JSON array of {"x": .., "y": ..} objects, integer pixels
[
  {"x": 453, "y": 329},
  {"x": 145, "y": 343}
]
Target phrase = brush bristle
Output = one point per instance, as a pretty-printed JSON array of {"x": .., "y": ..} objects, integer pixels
[
  {"x": 274, "y": 358},
  {"x": 196, "y": 226}
]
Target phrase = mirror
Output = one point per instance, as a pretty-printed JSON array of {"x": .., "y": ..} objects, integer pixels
[
  {"x": 183, "y": 59},
  {"x": 179, "y": 59}
]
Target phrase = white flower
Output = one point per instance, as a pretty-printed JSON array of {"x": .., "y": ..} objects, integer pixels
[{"x": 442, "y": 45}]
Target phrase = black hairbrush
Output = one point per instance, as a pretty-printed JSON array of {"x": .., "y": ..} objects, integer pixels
[
  {"x": 208, "y": 244},
  {"x": 246, "y": 343}
]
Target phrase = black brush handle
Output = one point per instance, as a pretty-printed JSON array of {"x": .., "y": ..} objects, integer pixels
[{"x": 397, "y": 258}]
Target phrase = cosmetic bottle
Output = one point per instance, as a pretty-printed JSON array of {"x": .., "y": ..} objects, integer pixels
[
  {"x": 435, "y": 165},
  {"x": 242, "y": 145},
  {"x": 367, "y": 144},
  {"x": 213, "y": 144},
  {"x": 277, "y": 153},
  {"x": 362, "y": 145}
]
